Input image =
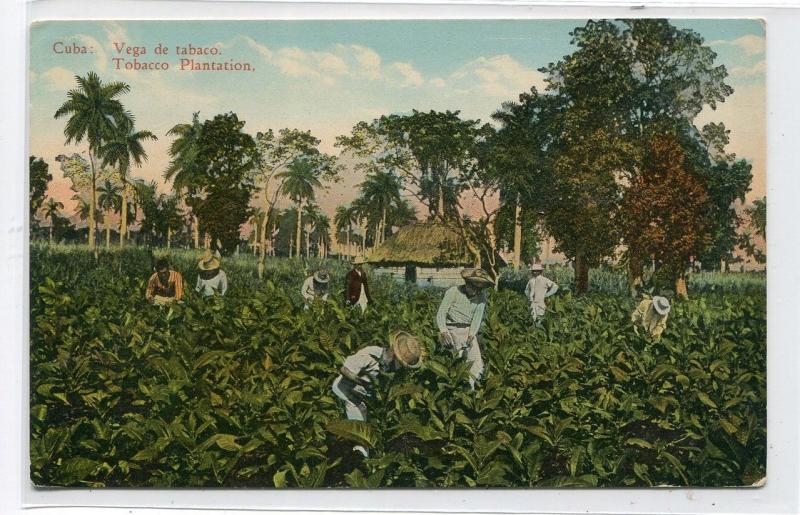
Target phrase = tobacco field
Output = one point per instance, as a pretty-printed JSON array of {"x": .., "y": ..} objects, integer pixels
[{"x": 235, "y": 392}]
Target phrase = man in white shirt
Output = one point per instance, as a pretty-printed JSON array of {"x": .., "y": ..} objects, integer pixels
[
  {"x": 360, "y": 369},
  {"x": 315, "y": 287},
  {"x": 210, "y": 278},
  {"x": 539, "y": 288},
  {"x": 460, "y": 316}
]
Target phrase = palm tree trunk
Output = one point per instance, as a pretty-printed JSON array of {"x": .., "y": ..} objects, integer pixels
[
  {"x": 51, "y": 231},
  {"x": 123, "y": 217},
  {"x": 308, "y": 242},
  {"x": 517, "y": 234},
  {"x": 441, "y": 202},
  {"x": 349, "y": 228},
  {"x": 92, "y": 202},
  {"x": 196, "y": 230},
  {"x": 169, "y": 237},
  {"x": 108, "y": 230},
  {"x": 383, "y": 225},
  {"x": 299, "y": 226}
]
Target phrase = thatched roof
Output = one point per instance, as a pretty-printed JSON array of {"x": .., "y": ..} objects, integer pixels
[{"x": 422, "y": 244}]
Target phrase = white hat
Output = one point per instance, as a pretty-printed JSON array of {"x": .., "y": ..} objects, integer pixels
[
  {"x": 536, "y": 267},
  {"x": 661, "y": 305},
  {"x": 210, "y": 261},
  {"x": 477, "y": 277},
  {"x": 322, "y": 277},
  {"x": 407, "y": 349}
]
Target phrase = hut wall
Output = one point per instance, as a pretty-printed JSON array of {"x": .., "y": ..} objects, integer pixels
[{"x": 436, "y": 277}]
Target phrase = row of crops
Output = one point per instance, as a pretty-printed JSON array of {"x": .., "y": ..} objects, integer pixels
[{"x": 236, "y": 391}]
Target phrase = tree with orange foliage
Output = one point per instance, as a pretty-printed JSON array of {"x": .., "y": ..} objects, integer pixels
[{"x": 667, "y": 211}]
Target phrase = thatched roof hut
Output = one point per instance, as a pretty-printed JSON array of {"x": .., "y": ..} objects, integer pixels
[{"x": 424, "y": 245}]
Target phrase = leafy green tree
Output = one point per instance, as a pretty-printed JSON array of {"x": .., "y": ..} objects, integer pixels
[
  {"x": 52, "y": 210},
  {"x": 222, "y": 181},
  {"x": 277, "y": 152},
  {"x": 300, "y": 181},
  {"x": 146, "y": 195},
  {"x": 184, "y": 166},
  {"x": 95, "y": 115},
  {"x": 758, "y": 216},
  {"x": 124, "y": 148},
  {"x": 39, "y": 178},
  {"x": 380, "y": 191},
  {"x": 343, "y": 220},
  {"x": 108, "y": 201}
]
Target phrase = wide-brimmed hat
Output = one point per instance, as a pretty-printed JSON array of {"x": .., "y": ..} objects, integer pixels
[
  {"x": 406, "y": 349},
  {"x": 661, "y": 305},
  {"x": 209, "y": 261},
  {"x": 536, "y": 267},
  {"x": 322, "y": 277},
  {"x": 359, "y": 260},
  {"x": 477, "y": 277}
]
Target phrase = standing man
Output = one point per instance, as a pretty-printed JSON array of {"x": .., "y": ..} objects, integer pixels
[
  {"x": 356, "y": 289},
  {"x": 651, "y": 315},
  {"x": 165, "y": 285},
  {"x": 539, "y": 288},
  {"x": 315, "y": 287},
  {"x": 356, "y": 375},
  {"x": 460, "y": 316},
  {"x": 210, "y": 278}
]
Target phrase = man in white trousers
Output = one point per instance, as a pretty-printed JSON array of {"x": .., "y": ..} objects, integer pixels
[
  {"x": 539, "y": 288},
  {"x": 460, "y": 316}
]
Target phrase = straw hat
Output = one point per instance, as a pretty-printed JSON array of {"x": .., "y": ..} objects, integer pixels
[
  {"x": 477, "y": 277},
  {"x": 536, "y": 267},
  {"x": 661, "y": 305},
  {"x": 406, "y": 349},
  {"x": 209, "y": 261},
  {"x": 322, "y": 277},
  {"x": 359, "y": 260}
]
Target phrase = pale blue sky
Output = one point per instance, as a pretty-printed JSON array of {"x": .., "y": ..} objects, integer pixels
[{"x": 327, "y": 75}]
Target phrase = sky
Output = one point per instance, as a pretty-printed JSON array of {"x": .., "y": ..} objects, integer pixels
[{"x": 325, "y": 76}]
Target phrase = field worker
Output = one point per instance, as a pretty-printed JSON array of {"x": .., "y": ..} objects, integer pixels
[
  {"x": 356, "y": 289},
  {"x": 460, "y": 316},
  {"x": 316, "y": 287},
  {"x": 539, "y": 288},
  {"x": 356, "y": 375},
  {"x": 210, "y": 278},
  {"x": 651, "y": 315},
  {"x": 165, "y": 285}
]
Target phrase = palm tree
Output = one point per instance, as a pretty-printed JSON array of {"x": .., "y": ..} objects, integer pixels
[
  {"x": 323, "y": 229},
  {"x": 170, "y": 216},
  {"x": 108, "y": 201},
  {"x": 256, "y": 222},
  {"x": 95, "y": 114},
  {"x": 125, "y": 148},
  {"x": 343, "y": 219},
  {"x": 300, "y": 180},
  {"x": 146, "y": 197},
  {"x": 51, "y": 212},
  {"x": 381, "y": 191},
  {"x": 182, "y": 168}
]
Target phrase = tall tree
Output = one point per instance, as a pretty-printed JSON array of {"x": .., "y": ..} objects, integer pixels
[
  {"x": 668, "y": 213},
  {"x": 125, "y": 147},
  {"x": 95, "y": 115},
  {"x": 277, "y": 152},
  {"x": 183, "y": 168},
  {"x": 300, "y": 181},
  {"x": 380, "y": 191},
  {"x": 39, "y": 178},
  {"x": 224, "y": 183},
  {"x": 343, "y": 220},
  {"x": 52, "y": 211},
  {"x": 108, "y": 201}
]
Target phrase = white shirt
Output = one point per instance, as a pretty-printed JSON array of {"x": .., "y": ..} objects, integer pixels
[
  {"x": 207, "y": 287},
  {"x": 309, "y": 292},
  {"x": 539, "y": 288},
  {"x": 366, "y": 363}
]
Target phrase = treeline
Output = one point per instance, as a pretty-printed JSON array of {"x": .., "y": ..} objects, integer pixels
[{"x": 607, "y": 160}]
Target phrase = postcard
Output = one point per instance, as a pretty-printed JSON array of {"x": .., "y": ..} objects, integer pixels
[{"x": 399, "y": 253}]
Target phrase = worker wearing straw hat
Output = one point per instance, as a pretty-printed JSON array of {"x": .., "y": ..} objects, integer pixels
[
  {"x": 539, "y": 288},
  {"x": 210, "y": 278},
  {"x": 356, "y": 288},
  {"x": 355, "y": 377},
  {"x": 316, "y": 287},
  {"x": 651, "y": 315},
  {"x": 460, "y": 316}
]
